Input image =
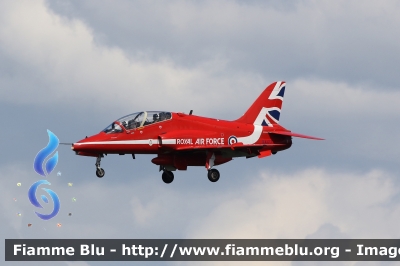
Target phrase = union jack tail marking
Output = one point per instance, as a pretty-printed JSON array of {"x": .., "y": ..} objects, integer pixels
[{"x": 266, "y": 110}]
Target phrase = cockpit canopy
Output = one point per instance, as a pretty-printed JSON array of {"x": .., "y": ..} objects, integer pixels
[{"x": 136, "y": 120}]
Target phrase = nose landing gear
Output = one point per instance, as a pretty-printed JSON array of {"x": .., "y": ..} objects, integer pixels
[{"x": 99, "y": 171}]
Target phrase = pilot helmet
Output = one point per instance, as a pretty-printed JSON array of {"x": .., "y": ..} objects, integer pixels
[{"x": 155, "y": 117}]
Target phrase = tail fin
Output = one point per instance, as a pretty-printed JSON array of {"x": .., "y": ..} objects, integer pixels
[{"x": 266, "y": 109}]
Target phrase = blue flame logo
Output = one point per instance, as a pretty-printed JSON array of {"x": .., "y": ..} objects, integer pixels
[
  {"x": 49, "y": 166},
  {"x": 44, "y": 153},
  {"x": 35, "y": 202}
]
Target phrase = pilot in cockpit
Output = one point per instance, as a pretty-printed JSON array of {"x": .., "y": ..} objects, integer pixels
[
  {"x": 156, "y": 118},
  {"x": 131, "y": 124},
  {"x": 162, "y": 116}
]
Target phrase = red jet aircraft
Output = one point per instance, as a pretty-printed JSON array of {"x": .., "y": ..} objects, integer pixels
[{"x": 180, "y": 140}]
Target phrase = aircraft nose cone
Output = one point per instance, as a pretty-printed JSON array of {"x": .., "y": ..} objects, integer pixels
[
  {"x": 83, "y": 145},
  {"x": 77, "y": 146}
]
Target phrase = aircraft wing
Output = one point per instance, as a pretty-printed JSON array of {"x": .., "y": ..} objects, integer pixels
[{"x": 289, "y": 133}]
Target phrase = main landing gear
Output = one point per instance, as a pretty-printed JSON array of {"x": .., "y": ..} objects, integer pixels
[
  {"x": 167, "y": 176},
  {"x": 213, "y": 175},
  {"x": 99, "y": 171}
]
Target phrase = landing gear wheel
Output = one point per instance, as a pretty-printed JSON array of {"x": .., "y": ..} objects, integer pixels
[
  {"x": 213, "y": 175},
  {"x": 100, "y": 172},
  {"x": 167, "y": 177}
]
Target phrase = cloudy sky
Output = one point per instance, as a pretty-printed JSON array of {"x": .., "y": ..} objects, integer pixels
[{"x": 74, "y": 66}]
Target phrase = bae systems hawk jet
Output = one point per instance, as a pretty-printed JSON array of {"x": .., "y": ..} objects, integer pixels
[{"x": 180, "y": 140}]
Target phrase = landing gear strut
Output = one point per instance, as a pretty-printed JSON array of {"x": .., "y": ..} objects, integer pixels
[
  {"x": 213, "y": 175},
  {"x": 167, "y": 176},
  {"x": 99, "y": 171}
]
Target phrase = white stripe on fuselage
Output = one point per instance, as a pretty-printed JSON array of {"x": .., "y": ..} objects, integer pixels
[
  {"x": 263, "y": 116},
  {"x": 253, "y": 138},
  {"x": 127, "y": 142},
  {"x": 168, "y": 141}
]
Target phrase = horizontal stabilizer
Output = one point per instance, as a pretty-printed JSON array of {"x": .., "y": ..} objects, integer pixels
[{"x": 288, "y": 133}]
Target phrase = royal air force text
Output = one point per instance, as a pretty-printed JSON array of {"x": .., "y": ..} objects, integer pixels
[{"x": 201, "y": 141}]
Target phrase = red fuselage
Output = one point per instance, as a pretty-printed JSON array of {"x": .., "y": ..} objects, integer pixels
[{"x": 189, "y": 136}]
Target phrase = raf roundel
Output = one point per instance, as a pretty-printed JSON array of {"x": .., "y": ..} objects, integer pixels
[{"x": 232, "y": 140}]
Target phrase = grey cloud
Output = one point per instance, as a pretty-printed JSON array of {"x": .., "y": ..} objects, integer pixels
[
  {"x": 340, "y": 41},
  {"x": 310, "y": 203}
]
